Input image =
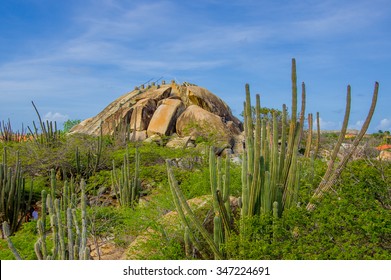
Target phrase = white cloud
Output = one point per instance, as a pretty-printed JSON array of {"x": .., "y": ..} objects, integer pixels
[
  {"x": 357, "y": 125},
  {"x": 385, "y": 124},
  {"x": 57, "y": 117},
  {"x": 327, "y": 125}
]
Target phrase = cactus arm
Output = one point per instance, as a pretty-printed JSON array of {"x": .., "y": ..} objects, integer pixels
[{"x": 335, "y": 175}]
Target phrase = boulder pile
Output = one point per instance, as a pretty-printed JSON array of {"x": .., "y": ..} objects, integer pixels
[{"x": 185, "y": 111}]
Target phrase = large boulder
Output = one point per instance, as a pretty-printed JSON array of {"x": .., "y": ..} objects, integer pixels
[
  {"x": 198, "y": 122},
  {"x": 164, "y": 119},
  {"x": 142, "y": 113},
  {"x": 161, "y": 110},
  {"x": 385, "y": 155},
  {"x": 211, "y": 103}
]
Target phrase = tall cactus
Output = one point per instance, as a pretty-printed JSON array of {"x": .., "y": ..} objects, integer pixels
[
  {"x": 7, "y": 234},
  {"x": 332, "y": 173},
  {"x": 67, "y": 239},
  {"x": 49, "y": 134},
  {"x": 185, "y": 212},
  {"x": 13, "y": 203},
  {"x": 270, "y": 174},
  {"x": 309, "y": 137},
  {"x": 126, "y": 187}
]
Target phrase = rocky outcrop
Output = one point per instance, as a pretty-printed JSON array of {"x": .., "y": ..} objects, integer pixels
[
  {"x": 385, "y": 155},
  {"x": 164, "y": 118},
  {"x": 162, "y": 110},
  {"x": 197, "y": 122},
  {"x": 142, "y": 113}
]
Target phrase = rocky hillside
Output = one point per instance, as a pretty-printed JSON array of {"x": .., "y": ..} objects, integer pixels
[{"x": 186, "y": 111}]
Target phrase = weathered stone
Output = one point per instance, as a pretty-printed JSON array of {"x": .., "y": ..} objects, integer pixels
[
  {"x": 385, "y": 155},
  {"x": 138, "y": 135},
  {"x": 198, "y": 122},
  {"x": 157, "y": 109},
  {"x": 178, "y": 142},
  {"x": 156, "y": 94},
  {"x": 142, "y": 113},
  {"x": 208, "y": 101},
  {"x": 109, "y": 118},
  {"x": 164, "y": 119},
  {"x": 154, "y": 139}
]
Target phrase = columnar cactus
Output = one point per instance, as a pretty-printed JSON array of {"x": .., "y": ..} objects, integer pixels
[
  {"x": 13, "y": 204},
  {"x": 7, "y": 234},
  {"x": 67, "y": 239},
  {"x": 269, "y": 171},
  {"x": 49, "y": 134},
  {"x": 127, "y": 188},
  {"x": 332, "y": 173},
  {"x": 307, "y": 153},
  {"x": 182, "y": 208}
]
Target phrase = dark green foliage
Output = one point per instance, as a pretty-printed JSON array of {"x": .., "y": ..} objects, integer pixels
[
  {"x": 23, "y": 241},
  {"x": 350, "y": 223},
  {"x": 69, "y": 124}
]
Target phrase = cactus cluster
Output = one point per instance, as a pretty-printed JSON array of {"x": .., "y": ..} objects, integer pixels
[
  {"x": 191, "y": 222},
  {"x": 8, "y": 135},
  {"x": 49, "y": 134},
  {"x": 93, "y": 156},
  {"x": 270, "y": 169},
  {"x": 13, "y": 203},
  {"x": 68, "y": 237},
  {"x": 333, "y": 172},
  {"x": 127, "y": 188},
  {"x": 270, "y": 165}
]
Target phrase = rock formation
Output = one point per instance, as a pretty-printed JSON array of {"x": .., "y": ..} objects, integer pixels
[{"x": 168, "y": 109}]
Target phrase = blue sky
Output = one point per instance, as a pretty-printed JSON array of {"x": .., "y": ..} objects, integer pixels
[{"x": 72, "y": 58}]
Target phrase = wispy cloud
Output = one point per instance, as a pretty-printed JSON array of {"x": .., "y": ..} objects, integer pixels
[
  {"x": 327, "y": 125},
  {"x": 56, "y": 117},
  {"x": 112, "y": 45},
  {"x": 385, "y": 125},
  {"x": 357, "y": 125}
]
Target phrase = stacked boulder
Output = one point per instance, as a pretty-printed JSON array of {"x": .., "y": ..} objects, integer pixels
[{"x": 186, "y": 111}]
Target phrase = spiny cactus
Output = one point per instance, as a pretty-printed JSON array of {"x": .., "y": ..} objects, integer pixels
[
  {"x": 93, "y": 158},
  {"x": 49, "y": 134},
  {"x": 67, "y": 239},
  {"x": 13, "y": 203},
  {"x": 317, "y": 143},
  {"x": 218, "y": 236},
  {"x": 309, "y": 137},
  {"x": 193, "y": 223},
  {"x": 269, "y": 172},
  {"x": 333, "y": 173},
  {"x": 7, "y": 234},
  {"x": 127, "y": 188}
]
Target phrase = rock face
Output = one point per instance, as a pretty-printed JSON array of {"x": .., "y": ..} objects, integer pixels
[
  {"x": 162, "y": 110},
  {"x": 385, "y": 155},
  {"x": 165, "y": 116},
  {"x": 197, "y": 122}
]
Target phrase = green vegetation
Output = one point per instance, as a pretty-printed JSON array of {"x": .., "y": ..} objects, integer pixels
[
  {"x": 275, "y": 203},
  {"x": 69, "y": 124}
]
